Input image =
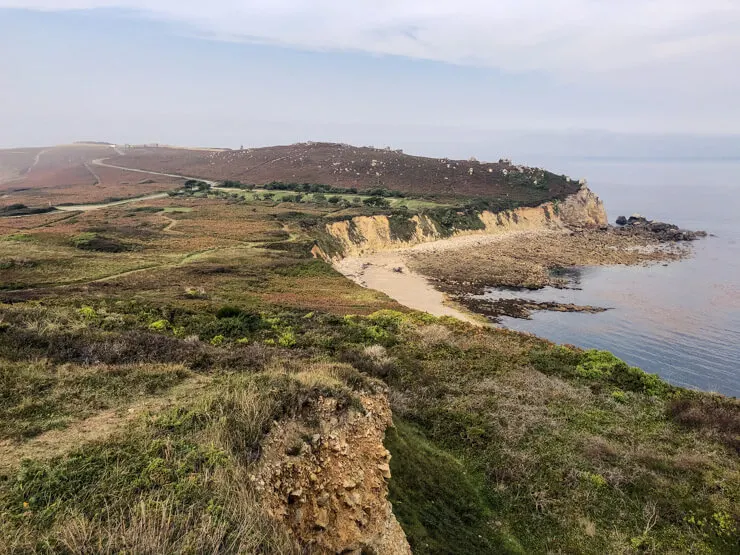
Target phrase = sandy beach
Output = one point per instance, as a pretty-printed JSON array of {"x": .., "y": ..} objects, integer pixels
[
  {"x": 388, "y": 272},
  {"x": 516, "y": 259}
]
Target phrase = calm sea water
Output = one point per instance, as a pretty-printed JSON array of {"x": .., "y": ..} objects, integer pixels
[{"x": 681, "y": 321}]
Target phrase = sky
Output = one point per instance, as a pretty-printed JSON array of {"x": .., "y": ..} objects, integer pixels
[{"x": 586, "y": 77}]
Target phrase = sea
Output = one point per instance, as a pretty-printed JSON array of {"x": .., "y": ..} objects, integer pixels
[{"x": 680, "y": 320}]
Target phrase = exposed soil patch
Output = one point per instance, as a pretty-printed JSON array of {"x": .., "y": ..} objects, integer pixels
[{"x": 95, "y": 428}]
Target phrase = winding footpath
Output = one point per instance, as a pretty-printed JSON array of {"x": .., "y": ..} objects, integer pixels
[{"x": 101, "y": 163}]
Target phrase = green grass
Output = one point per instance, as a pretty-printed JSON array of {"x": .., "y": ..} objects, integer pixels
[{"x": 442, "y": 507}]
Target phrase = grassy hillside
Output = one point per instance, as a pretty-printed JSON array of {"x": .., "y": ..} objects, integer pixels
[
  {"x": 146, "y": 350},
  {"x": 360, "y": 167}
]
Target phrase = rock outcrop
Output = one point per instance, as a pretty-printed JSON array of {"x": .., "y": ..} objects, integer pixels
[
  {"x": 583, "y": 210},
  {"x": 637, "y": 225},
  {"x": 326, "y": 480}
]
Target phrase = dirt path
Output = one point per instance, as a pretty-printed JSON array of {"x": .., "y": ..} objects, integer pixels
[
  {"x": 170, "y": 225},
  {"x": 184, "y": 260},
  {"x": 98, "y": 181},
  {"x": 36, "y": 160},
  {"x": 89, "y": 207},
  {"x": 101, "y": 163},
  {"x": 97, "y": 427}
]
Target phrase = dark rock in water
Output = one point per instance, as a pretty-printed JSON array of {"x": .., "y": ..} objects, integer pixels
[
  {"x": 637, "y": 224},
  {"x": 519, "y": 308}
]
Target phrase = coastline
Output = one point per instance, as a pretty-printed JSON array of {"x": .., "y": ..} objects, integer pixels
[{"x": 437, "y": 276}]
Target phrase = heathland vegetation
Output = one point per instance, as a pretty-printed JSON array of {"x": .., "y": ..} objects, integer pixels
[{"x": 151, "y": 354}]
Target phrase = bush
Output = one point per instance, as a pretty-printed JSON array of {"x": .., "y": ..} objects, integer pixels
[
  {"x": 603, "y": 365},
  {"x": 228, "y": 312},
  {"x": 709, "y": 414},
  {"x": 159, "y": 325},
  {"x": 93, "y": 242},
  {"x": 88, "y": 313},
  {"x": 377, "y": 202},
  {"x": 287, "y": 338}
]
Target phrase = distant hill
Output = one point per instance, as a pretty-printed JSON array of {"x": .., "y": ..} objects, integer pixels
[
  {"x": 361, "y": 167},
  {"x": 98, "y": 143}
]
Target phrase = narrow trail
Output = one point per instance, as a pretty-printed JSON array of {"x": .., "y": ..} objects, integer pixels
[
  {"x": 172, "y": 223},
  {"x": 183, "y": 260},
  {"x": 98, "y": 206},
  {"x": 36, "y": 160},
  {"x": 88, "y": 207},
  {"x": 98, "y": 181},
  {"x": 97, "y": 427},
  {"x": 101, "y": 163}
]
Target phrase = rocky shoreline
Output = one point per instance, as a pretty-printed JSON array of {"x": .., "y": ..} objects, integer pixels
[
  {"x": 665, "y": 232},
  {"x": 546, "y": 259},
  {"x": 493, "y": 310}
]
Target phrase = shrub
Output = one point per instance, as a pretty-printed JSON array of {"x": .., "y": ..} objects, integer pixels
[
  {"x": 402, "y": 227},
  {"x": 159, "y": 325},
  {"x": 93, "y": 242},
  {"x": 287, "y": 338},
  {"x": 433, "y": 335},
  {"x": 228, "y": 312},
  {"x": 377, "y": 202},
  {"x": 373, "y": 360},
  {"x": 710, "y": 414},
  {"x": 242, "y": 325},
  {"x": 603, "y": 365},
  {"x": 597, "y": 364},
  {"x": 619, "y": 396},
  {"x": 596, "y": 480},
  {"x": 217, "y": 340},
  {"x": 88, "y": 313}
]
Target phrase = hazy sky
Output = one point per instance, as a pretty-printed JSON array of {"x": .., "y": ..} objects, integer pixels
[{"x": 440, "y": 73}]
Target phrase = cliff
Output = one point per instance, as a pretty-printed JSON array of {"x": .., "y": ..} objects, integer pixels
[
  {"x": 368, "y": 234},
  {"x": 325, "y": 477},
  {"x": 583, "y": 210}
]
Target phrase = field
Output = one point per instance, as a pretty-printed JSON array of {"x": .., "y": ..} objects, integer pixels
[{"x": 153, "y": 355}]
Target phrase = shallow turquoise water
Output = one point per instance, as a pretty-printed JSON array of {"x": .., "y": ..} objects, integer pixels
[{"x": 681, "y": 321}]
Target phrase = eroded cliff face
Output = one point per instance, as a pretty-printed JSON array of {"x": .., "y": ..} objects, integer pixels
[
  {"x": 368, "y": 234},
  {"x": 583, "y": 210},
  {"x": 325, "y": 478}
]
